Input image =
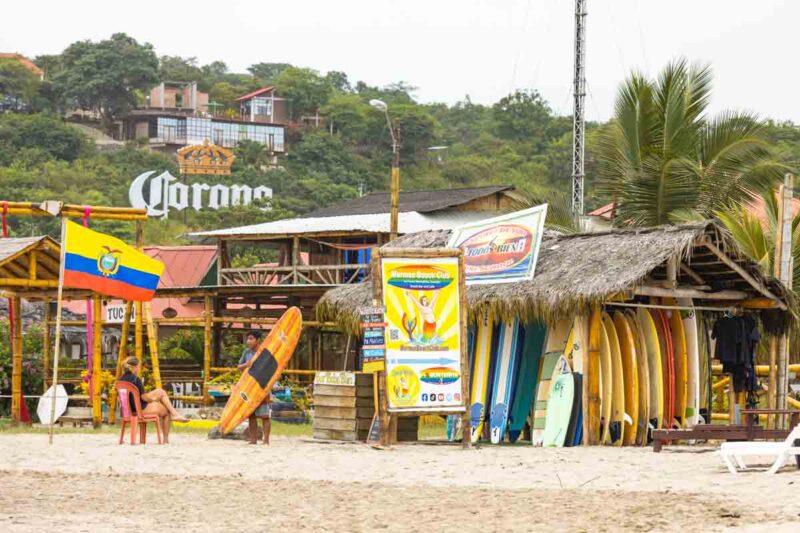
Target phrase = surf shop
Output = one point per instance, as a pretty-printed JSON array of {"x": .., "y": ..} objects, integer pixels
[{"x": 617, "y": 333}]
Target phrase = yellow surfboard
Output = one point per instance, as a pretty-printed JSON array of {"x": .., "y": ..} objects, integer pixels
[
  {"x": 558, "y": 336},
  {"x": 681, "y": 363},
  {"x": 606, "y": 386},
  {"x": 627, "y": 347},
  {"x": 644, "y": 379},
  {"x": 617, "y": 426},
  {"x": 480, "y": 374},
  {"x": 655, "y": 373}
]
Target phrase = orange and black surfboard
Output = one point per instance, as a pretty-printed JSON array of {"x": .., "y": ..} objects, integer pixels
[{"x": 267, "y": 365}]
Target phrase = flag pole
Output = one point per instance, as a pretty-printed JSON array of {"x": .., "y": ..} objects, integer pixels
[{"x": 58, "y": 328}]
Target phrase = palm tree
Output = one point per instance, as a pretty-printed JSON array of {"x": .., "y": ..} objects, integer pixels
[
  {"x": 663, "y": 155},
  {"x": 756, "y": 234}
]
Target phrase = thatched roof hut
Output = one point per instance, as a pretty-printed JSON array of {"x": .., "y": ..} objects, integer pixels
[{"x": 575, "y": 272}]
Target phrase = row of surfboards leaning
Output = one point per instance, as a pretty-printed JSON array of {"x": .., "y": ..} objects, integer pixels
[{"x": 653, "y": 375}]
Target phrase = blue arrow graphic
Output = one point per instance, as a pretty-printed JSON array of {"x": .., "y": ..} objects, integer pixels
[{"x": 440, "y": 361}]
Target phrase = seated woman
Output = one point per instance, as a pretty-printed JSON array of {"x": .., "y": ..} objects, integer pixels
[{"x": 154, "y": 402}]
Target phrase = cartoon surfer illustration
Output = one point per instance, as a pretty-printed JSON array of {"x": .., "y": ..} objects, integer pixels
[{"x": 425, "y": 306}]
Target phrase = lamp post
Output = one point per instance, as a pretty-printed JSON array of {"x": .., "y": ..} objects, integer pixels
[{"x": 394, "y": 130}]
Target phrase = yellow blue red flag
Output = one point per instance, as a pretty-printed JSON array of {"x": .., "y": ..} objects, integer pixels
[{"x": 106, "y": 265}]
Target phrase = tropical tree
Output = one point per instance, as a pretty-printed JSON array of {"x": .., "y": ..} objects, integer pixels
[
  {"x": 663, "y": 155},
  {"x": 755, "y": 228}
]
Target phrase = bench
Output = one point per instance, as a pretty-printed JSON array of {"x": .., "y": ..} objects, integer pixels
[{"x": 77, "y": 416}]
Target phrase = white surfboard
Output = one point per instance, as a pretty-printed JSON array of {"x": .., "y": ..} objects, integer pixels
[
  {"x": 46, "y": 402},
  {"x": 692, "y": 414}
]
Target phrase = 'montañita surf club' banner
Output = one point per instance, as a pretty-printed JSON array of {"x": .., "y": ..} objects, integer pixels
[
  {"x": 503, "y": 249},
  {"x": 423, "y": 333}
]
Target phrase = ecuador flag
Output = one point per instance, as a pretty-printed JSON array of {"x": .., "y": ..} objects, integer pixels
[{"x": 106, "y": 265}]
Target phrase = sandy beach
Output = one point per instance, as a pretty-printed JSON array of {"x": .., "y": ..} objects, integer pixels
[{"x": 87, "y": 482}]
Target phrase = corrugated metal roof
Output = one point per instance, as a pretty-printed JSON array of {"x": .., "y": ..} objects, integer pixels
[
  {"x": 254, "y": 93},
  {"x": 420, "y": 201},
  {"x": 374, "y": 223}
]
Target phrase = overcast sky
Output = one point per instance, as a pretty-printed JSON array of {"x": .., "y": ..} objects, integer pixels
[{"x": 453, "y": 48}]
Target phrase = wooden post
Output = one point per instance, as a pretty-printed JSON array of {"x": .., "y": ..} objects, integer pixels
[
  {"x": 295, "y": 259},
  {"x": 121, "y": 356},
  {"x": 208, "y": 313},
  {"x": 16, "y": 361},
  {"x": 46, "y": 347},
  {"x": 152, "y": 337},
  {"x": 466, "y": 437},
  {"x": 672, "y": 272},
  {"x": 97, "y": 361},
  {"x": 591, "y": 378},
  {"x": 785, "y": 271}
]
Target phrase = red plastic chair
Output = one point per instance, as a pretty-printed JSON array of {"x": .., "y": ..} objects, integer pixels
[{"x": 124, "y": 389}]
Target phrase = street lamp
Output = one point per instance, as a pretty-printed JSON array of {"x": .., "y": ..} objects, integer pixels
[{"x": 394, "y": 131}]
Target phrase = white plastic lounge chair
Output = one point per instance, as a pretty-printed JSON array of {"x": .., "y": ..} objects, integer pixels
[{"x": 732, "y": 452}]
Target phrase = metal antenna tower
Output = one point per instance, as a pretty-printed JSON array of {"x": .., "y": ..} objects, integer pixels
[{"x": 579, "y": 95}]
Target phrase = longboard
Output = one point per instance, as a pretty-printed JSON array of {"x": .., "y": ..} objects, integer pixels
[
  {"x": 656, "y": 381},
  {"x": 454, "y": 421},
  {"x": 575, "y": 431},
  {"x": 559, "y": 405},
  {"x": 269, "y": 361},
  {"x": 546, "y": 367},
  {"x": 642, "y": 368},
  {"x": 606, "y": 386},
  {"x": 681, "y": 364},
  {"x": 527, "y": 377},
  {"x": 631, "y": 377},
  {"x": 480, "y": 374},
  {"x": 617, "y": 424},
  {"x": 505, "y": 373},
  {"x": 690, "y": 329},
  {"x": 667, "y": 366}
]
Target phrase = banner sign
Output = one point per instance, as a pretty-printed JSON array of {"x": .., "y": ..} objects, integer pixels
[
  {"x": 423, "y": 334},
  {"x": 373, "y": 347},
  {"x": 503, "y": 249},
  {"x": 165, "y": 192},
  {"x": 347, "y": 379},
  {"x": 115, "y": 312}
]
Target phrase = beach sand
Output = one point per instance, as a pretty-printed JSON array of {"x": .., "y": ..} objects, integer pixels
[{"x": 87, "y": 482}]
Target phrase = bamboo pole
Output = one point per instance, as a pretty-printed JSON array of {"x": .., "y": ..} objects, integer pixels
[
  {"x": 463, "y": 310},
  {"x": 97, "y": 362},
  {"x": 152, "y": 337},
  {"x": 46, "y": 345},
  {"x": 121, "y": 355},
  {"x": 137, "y": 331},
  {"x": 208, "y": 313},
  {"x": 16, "y": 361},
  {"x": 57, "y": 350}
]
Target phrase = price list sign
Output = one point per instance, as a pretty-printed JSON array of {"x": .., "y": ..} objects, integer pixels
[{"x": 373, "y": 347}]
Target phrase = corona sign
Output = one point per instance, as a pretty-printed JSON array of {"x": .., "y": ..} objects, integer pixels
[{"x": 159, "y": 194}]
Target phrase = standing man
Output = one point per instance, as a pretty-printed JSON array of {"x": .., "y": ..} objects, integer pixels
[{"x": 263, "y": 411}]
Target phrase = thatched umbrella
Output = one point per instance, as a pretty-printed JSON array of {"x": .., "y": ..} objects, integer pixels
[{"x": 573, "y": 273}]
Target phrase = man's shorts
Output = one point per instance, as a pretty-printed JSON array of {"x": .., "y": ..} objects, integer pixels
[{"x": 264, "y": 411}]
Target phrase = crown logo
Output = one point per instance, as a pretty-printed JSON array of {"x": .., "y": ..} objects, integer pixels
[{"x": 205, "y": 158}]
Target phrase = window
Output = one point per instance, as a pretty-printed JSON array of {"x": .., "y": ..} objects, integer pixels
[{"x": 262, "y": 106}]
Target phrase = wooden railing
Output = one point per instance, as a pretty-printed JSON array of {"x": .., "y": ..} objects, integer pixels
[{"x": 295, "y": 275}]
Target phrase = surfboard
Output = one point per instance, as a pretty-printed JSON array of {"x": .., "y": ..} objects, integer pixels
[
  {"x": 480, "y": 373},
  {"x": 605, "y": 386},
  {"x": 681, "y": 363},
  {"x": 617, "y": 425},
  {"x": 557, "y": 336},
  {"x": 642, "y": 368},
  {"x": 690, "y": 329},
  {"x": 667, "y": 366},
  {"x": 267, "y": 364},
  {"x": 575, "y": 431},
  {"x": 527, "y": 375},
  {"x": 559, "y": 404},
  {"x": 703, "y": 349},
  {"x": 539, "y": 422},
  {"x": 578, "y": 343},
  {"x": 654, "y": 370},
  {"x": 505, "y": 373},
  {"x": 628, "y": 349},
  {"x": 454, "y": 421}
]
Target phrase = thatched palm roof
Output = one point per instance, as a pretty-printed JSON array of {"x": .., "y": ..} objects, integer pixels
[{"x": 574, "y": 272}]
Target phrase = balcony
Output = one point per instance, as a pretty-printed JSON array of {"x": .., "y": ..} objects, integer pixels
[{"x": 304, "y": 275}]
